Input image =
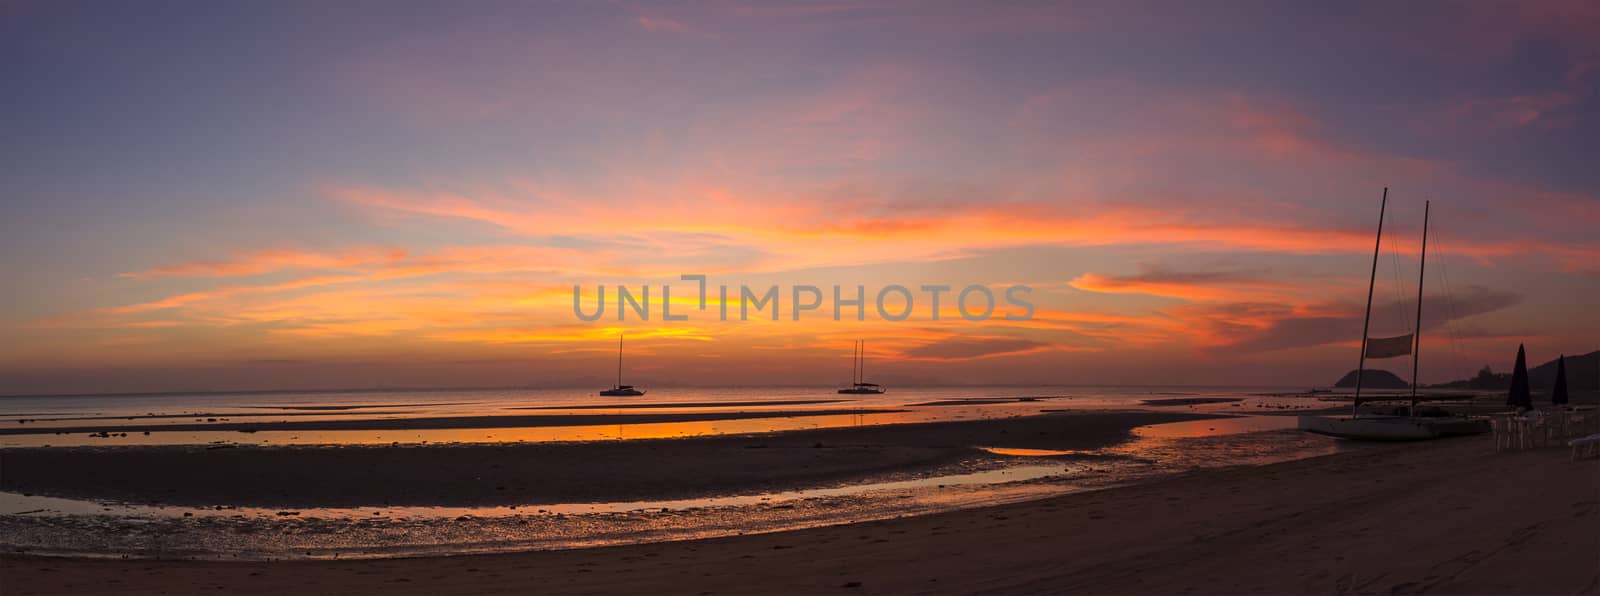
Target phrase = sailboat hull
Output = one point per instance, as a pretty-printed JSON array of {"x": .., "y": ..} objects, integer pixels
[
  {"x": 622, "y": 393},
  {"x": 1392, "y": 428}
]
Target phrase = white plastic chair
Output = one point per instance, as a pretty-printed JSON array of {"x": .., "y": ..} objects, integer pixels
[{"x": 1585, "y": 447}]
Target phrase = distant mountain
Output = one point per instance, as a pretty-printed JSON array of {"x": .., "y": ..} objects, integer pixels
[
  {"x": 1486, "y": 379},
  {"x": 1583, "y": 373},
  {"x": 1374, "y": 379}
]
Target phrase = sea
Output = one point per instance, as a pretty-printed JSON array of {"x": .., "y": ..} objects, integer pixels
[
  {"x": 524, "y": 415},
  {"x": 1258, "y": 430}
]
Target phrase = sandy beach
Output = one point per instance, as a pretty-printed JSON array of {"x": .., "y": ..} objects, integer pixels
[
  {"x": 534, "y": 473},
  {"x": 1444, "y": 517}
]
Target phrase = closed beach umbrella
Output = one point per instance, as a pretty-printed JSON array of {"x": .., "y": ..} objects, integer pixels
[
  {"x": 1558, "y": 396},
  {"x": 1519, "y": 396}
]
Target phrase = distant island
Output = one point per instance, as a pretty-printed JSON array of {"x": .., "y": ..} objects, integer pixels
[{"x": 1373, "y": 379}]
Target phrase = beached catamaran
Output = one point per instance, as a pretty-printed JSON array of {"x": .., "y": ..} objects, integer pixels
[
  {"x": 1410, "y": 427},
  {"x": 621, "y": 390},
  {"x": 858, "y": 373}
]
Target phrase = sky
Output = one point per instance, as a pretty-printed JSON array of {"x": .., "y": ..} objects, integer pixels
[{"x": 223, "y": 196}]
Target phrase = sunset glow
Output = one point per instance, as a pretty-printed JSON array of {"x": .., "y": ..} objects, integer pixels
[{"x": 409, "y": 202}]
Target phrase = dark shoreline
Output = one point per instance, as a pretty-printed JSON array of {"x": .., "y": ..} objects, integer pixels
[
  {"x": 981, "y": 401},
  {"x": 534, "y": 473},
  {"x": 1189, "y": 401},
  {"x": 442, "y": 422}
]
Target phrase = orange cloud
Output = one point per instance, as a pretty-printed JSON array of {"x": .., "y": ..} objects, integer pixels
[
  {"x": 791, "y": 229},
  {"x": 970, "y": 348},
  {"x": 1232, "y": 286},
  {"x": 392, "y": 263},
  {"x": 190, "y": 298},
  {"x": 268, "y": 261},
  {"x": 791, "y": 233}
]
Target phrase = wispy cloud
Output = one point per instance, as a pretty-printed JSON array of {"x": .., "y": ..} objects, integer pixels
[
  {"x": 1238, "y": 286},
  {"x": 661, "y": 24},
  {"x": 968, "y": 348}
]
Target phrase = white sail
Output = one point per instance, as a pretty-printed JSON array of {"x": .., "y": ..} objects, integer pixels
[{"x": 1389, "y": 347}]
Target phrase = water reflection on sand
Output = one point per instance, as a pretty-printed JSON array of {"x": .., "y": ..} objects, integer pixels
[{"x": 60, "y": 526}]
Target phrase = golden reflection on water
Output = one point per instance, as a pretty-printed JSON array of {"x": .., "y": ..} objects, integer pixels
[
  {"x": 1217, "y": 441},
  {"x": 545, "y": 434},
  {"x": 1017, "y": 452},
  {"x": 136, "y": 431}
]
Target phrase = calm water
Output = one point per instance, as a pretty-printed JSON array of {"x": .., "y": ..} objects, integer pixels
[{"x": 182, "y": 419}]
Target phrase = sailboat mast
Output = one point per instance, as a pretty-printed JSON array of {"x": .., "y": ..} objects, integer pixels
[
  {"x": 855, "y": 359},
  {"x": 619, "y": 361},
  {"x": 863, "y": 373},
  {"x": 855, "y": 363},
  {"x": 1416, "y": 347},
  {"x": 1366, "y": 321}
]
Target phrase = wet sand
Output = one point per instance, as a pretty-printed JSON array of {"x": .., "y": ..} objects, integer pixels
[
  {"x": 692, "y": 404},
  {"x": 542, "y": 473},
  {"x": 979, "y": 401},
  {"x": 1190, "y": 401},
  {"x": 1441, "y": 517}
]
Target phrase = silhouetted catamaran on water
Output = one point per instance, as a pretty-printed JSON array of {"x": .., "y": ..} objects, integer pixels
[
  {"x": 1410, "y": 427},
  {"x": 621, "y": 390},
  {"x": 858, "y": 376}
]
